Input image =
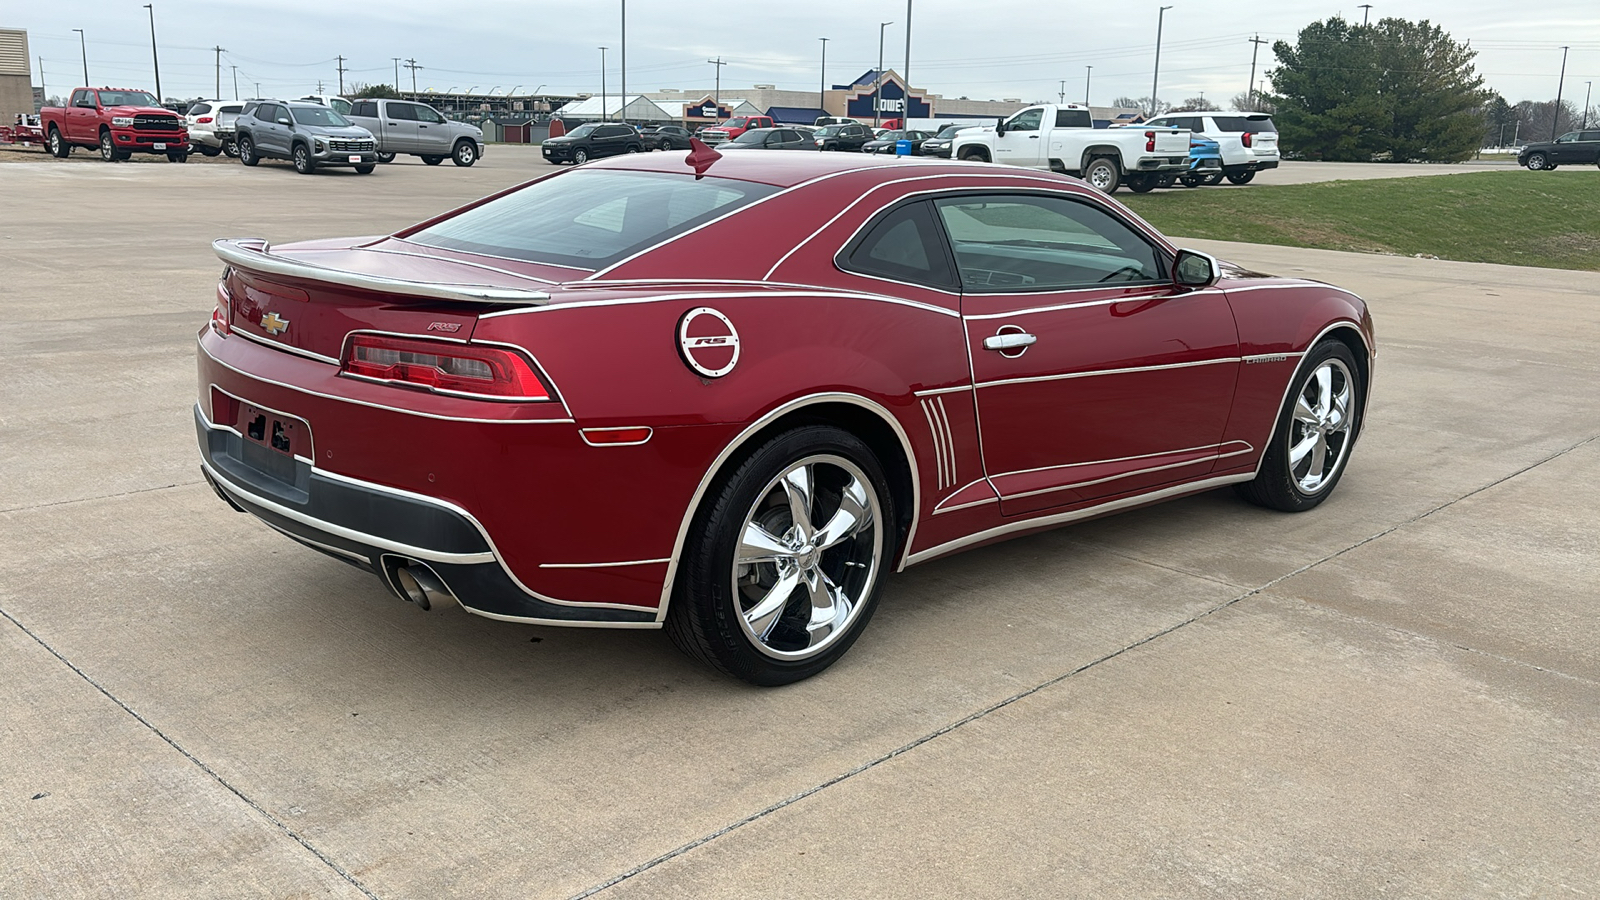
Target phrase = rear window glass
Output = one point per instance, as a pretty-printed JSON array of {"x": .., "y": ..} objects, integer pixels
[
  {"x": 590, "y": 218},
  {"x": 1074, "y": 118},
  {"x": 1235, "y": 124},
  {"x": 199, "y": 109}
]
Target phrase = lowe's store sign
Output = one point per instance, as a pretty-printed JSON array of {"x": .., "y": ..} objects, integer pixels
[{"x": 892, "y": 103}]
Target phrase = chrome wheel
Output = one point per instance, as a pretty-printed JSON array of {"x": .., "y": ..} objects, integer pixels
[
  {"x": 1102, "y": 175},
  {"x": 809, "y": 554},
  {"x": 1537, "y": 161},
  {"x": 1319, "y": 429}
]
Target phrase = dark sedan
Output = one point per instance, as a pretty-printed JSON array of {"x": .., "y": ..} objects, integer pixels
[
  {"x": 772, "y": 139},
  {"x": 889, "y": 141}
]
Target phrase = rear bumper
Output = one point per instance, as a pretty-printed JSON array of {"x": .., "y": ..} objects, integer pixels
[
  {"x": 1164, "y": 163},
  {"x": 378, "y": 528},
  {"x": 1254, "y": 165}
]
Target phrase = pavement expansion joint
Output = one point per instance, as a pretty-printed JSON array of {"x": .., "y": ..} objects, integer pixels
[
  {"x": 277, "y": 823},
  {"x": 1051, "y": 682},
  {"x": 162, "y": 487}
]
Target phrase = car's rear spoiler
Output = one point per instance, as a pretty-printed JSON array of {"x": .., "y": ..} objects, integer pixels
[{"x": 252, "y": 254}]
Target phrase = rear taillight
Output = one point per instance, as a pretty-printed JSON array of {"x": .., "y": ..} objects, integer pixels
[
  {"x": 203, "y": 119},
  {"x": 1149, "y": 142},
  {"x": 466, "y": 370},
  {"x": 223, "y": 311},
  {"x": 1245, "y": 138}
]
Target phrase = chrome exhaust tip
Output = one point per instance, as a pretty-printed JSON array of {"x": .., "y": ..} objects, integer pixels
[{"x": 416, "y": 582}]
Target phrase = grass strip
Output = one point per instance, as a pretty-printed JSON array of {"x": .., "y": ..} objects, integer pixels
[{"x": 1518, "y": 218}]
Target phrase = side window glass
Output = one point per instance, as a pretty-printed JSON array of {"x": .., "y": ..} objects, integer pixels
[
  {"x": 429, "y": 115},
  {"x": 402, "y": 112},
  {"x": 904, "y": 245},
  {"x": 1027, "y": 120},
  {"x": 1010, "y": 243},
  {"x": 199, "y": 109}
]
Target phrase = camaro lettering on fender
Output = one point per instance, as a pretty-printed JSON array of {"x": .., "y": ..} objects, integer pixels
[{"x": 708, "y": 342}]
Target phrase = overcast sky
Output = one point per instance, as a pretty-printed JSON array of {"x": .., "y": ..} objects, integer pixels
[{"x": 991, "y": 49}]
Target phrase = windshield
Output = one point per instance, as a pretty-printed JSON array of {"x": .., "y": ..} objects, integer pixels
[
  {"x": 830, "y": 130},
  {"x": 590, "y": 218},
  {"x": 751, "y": 137},
  {"x": 127, "y": 98},
  {"x": 582, "y": 131},
  {"x": 735, "y": 123},
  {"x": 318, "y": 115}
]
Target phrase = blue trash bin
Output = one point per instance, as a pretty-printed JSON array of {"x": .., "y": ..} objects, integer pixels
[{"x": 902, "y": 148}]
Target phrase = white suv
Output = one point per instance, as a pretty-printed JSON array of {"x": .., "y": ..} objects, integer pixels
[
  {"x": 211, "y": 125},
  {"x": 1248, "y": 140}
]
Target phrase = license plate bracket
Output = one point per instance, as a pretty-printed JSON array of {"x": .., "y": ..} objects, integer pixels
[
  {"x": 355, "y": 158},
  {"x": 159, "y": 146}
]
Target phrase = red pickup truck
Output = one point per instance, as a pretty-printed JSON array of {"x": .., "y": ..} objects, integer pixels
[
  {"x": 118, "y": 121},
  {"x": 732, "y": 128}
]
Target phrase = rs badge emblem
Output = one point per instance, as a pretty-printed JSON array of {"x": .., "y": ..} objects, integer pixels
[
  {"x": 708, "y": 342},
  {"x": 274, "y": 324}
]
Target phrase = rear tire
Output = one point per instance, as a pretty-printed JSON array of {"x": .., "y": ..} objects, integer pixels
[
  {"x": 433, "y": 160},
  {"x": 1213, "y": 178},
  {"x": 1103, "y": 174},
  {"x": 177, "y": 156},
  {"x": 247, "y": 152},
  {"x": 1141, "y": 182},
  {"x": 365, "y": 170},
  {"x": 386, "y": 158},
  {"x": 208, "y": 151},
  {"x": 302, "y": 160},
  {"x": 59, "y": 148},
  {"x": 465, "y": 154},
  {"x": 1318, "y": 425},
  {"x": 1241, "y": 177},
  {"x": 230, "y": 149},
  {"x": 787, "y": 614},
  {"x": 108, "y": 149}
]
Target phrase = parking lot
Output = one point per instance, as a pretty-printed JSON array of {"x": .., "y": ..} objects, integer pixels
[{"x": 1396, "y": 694}]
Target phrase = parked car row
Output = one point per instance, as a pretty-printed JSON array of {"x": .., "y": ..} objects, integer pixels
[{"x": 313, "y": 132}]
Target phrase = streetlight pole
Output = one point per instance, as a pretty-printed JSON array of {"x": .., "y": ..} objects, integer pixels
[
  {"x": 85, "y": 48},
  {"x": 623, "y": 109},
  {"x": 220, "y": 50},
  {"x": 1587, "y": 87},
  {"x": 822, "y": 81},
  {"x": 157, "y": 59},
  {"x": 1088, "y": 71},
  {"x": 877, "y": 81},
  {"x": 1555, "y": 120},
  {"x": 235, "y": 81},
  {"x": 1155, "y": 78},
  {"x": 605, "y": 114},
  {"x": 905, "y": 73},
  {"x": 397, "y": 72}
]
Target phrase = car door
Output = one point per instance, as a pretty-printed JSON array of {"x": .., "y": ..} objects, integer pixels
[
  {"x": 270, "y": 137},
  {"x": 400, "y": 127},
  {"x": 433, "y": 132},
  {"x": 83, "y": 118},
  {"x": 1022, "y": 144},
  {"x": 1588, "y": 147},
  {"x": 1094, "y": 373}
]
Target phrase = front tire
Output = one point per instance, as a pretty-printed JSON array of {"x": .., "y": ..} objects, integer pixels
[
  {"x": 365, "y": 170},
  {"x": 178, "y": 156},
  {"x": 247, "y": 152},
  {"x": 580, "y": 156},
  {"x": 386, "y": 158},
  {"x": 1241, "y": 177},
  {"x": 785, "y": 558},
  {"x": 466, "y": 153},
  {"x": 302, "y": 160},
  {"x": 433, "y": 160},
  {"x": 1316, "y": 429},
  {"x": 1104, "y": 175}
]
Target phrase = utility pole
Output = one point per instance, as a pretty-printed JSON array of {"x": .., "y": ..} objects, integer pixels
[
  {"x": 877, "y": 81},
  {"x": 157, "y": 59},
  {"x": 1088, "y": 71},
  {"x": 1155, "y": 78},
  {"x": 822, "y": 82},
  {"x": 396, "y": 73},
  {"x": 235, "y": 81},
  {"x": 342, "y": 70},
  {"x": 717, "y": 96},
  {"x": 319, "y": 87},
  {"x": 1366, "y": 10},
  {"x": 1555, "y": 120},
  {"x": 219, "y": 51},
  {"x": 905, "y": 73},
  {"x": 42, "y": 90},
  {"x": 1250, "y": 95},
  {"x": 605, "y": 114},
  {"x": 412, "y": 65},
  {"x": 1061, "y": 96},
  {"x": 85, "y": 48},
  {"x": 1587, "y": 87}
]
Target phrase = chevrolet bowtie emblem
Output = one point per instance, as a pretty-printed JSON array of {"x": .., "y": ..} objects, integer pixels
[{"x": 274, "y": 324}]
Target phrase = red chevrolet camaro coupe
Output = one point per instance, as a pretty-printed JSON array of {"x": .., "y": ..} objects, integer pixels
[{"x": 728, "y": 396}]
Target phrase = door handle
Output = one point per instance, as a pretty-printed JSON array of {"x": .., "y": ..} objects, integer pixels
[
  {"x": 1011, "y": 341},
  {"x": 1033, "y": 137}
]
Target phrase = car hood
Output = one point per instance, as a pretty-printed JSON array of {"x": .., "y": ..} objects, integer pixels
[
  {"x": 140, "y": 110},
  {"x": 345, "y": 131},
  {"x": 1542, "y": 145}
]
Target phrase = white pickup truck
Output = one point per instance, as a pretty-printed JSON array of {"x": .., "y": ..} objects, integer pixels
[{"x": 1064, "y": 139}]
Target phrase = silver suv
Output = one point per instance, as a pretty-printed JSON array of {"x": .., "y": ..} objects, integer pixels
[{"x": 310, "y": 135}]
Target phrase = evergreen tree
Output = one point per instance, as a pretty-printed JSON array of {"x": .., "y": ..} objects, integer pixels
[{"x": 1398, "y": 89}]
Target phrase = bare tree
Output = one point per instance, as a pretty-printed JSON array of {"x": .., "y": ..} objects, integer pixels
[
  {"x": 1195, "y": 104},
  {"x": 1243, "y": 102}
]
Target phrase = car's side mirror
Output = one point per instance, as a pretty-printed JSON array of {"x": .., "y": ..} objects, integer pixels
[
  {"x": 1195, "y": 269},
  {"x": 1000, "y": 127},
  {"x": 285, "y": 121}
]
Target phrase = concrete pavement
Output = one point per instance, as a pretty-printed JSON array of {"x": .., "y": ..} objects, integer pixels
[{"x": 1394, "y": 694}]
